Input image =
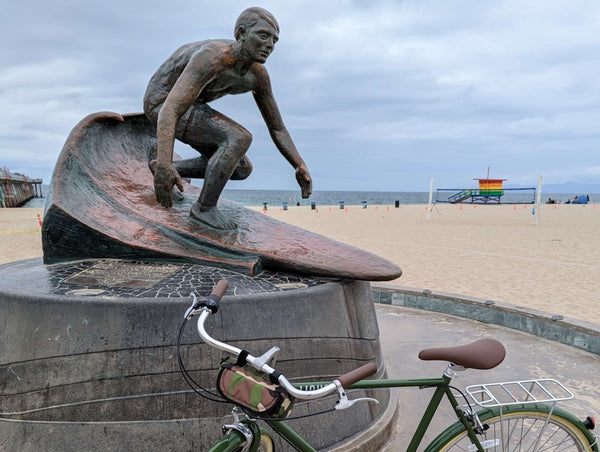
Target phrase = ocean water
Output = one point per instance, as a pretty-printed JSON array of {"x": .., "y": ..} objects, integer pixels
[
  {"x": 349, "y": 198},
  {"x": 35, "y": 202},
  {"x": 333, "y": 198},
  {"x": 292, "y": 197},
  {"x": 323, "y": 198}
]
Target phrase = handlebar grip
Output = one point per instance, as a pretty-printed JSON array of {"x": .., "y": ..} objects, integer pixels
[
  {"x": 220, "y": 289},
  {"x": 212, "y": 301},
  {"x": 357, "y": 374}
]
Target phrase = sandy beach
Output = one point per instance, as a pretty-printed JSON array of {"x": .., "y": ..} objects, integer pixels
[
  {"x": 491, "y": 252},
  {"x": 20, "y": 234}
]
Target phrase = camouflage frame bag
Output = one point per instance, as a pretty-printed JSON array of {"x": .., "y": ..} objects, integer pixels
[{"x": 252, "y": 391}]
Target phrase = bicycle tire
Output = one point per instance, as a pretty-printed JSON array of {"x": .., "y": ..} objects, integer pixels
[
  {"x": 519, "y": 429},
  {"x": 265, "y": 444}
]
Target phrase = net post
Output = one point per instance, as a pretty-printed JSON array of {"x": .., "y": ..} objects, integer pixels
[
  {"x": 538, "y": 201},
  {"x": 430, "y": 198}
]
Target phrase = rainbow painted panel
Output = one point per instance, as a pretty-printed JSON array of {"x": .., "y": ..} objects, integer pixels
[{"x": 491, "y": 187}]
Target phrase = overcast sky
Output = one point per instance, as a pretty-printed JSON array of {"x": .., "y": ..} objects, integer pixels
[{"x": 377, "y": 95}]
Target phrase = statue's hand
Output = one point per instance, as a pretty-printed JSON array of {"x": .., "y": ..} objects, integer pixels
[
  {"x": 165, "y": 177},
  {"x": 304, "y": 180}
]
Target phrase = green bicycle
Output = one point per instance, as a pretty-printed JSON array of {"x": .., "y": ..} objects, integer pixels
[{"x": 512, "y": 416}]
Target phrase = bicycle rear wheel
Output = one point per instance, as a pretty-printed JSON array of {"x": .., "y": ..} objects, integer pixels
[{"x": 521, "y": 428}]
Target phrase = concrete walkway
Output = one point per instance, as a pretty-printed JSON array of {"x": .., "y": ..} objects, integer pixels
[{"x": 406, "y": 331}]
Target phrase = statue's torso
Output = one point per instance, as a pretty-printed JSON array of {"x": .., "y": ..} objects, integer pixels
[{"x": 227, "y": 81}]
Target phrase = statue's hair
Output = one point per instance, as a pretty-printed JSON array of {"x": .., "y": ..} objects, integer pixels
[{"x": 250, "y": 16}]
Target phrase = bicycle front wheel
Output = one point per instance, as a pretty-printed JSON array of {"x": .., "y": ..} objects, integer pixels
[
  {"x": 233, "y": 442},
  {"x": 265, "y": 444},
  {"x": 520, "y": 428}
]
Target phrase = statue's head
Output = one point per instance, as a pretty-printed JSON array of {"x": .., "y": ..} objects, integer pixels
[
  {"x": 249, "y": 17},
  {"x": 256, "y": 31}
]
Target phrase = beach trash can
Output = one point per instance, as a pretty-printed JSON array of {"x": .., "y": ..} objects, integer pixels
[
  {"x": 364, "y": 204},
  {"x": 284, "y": 205},
  {"x": 342, "y": 205},
  {"x": 397, "y": 204},
  {"x": 313, "y": 205}
]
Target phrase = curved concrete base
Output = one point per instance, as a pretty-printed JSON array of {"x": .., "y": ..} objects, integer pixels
[{"x": 88, "y": 353}]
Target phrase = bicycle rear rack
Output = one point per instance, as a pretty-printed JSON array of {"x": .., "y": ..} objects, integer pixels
[{"x": 517, "y": 392}]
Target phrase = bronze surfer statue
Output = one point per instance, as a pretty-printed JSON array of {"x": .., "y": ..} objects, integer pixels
[{"x": 177, "y": 99}]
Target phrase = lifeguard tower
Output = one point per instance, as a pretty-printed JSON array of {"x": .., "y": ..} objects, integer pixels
[{"x": 490, "y": 191}]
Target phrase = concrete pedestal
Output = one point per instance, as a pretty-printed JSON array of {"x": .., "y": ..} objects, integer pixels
[{"x": 88, "y": 355}]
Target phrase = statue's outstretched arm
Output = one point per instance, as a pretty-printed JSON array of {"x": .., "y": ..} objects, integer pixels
[{"x": 267, "y": 105}]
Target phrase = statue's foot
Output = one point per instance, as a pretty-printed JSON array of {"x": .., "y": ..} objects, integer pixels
[{"x": 213, "y": 217}]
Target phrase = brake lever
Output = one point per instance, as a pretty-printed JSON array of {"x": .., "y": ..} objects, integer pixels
[
  {"x": 344, "y": 402},
  {"x": 191, "y": 311}
]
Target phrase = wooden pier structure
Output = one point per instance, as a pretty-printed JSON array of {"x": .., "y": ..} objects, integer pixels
[{"x": 16, "y": 189}]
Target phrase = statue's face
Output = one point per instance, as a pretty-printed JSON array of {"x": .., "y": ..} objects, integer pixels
[{"x": 259, "y": 40}]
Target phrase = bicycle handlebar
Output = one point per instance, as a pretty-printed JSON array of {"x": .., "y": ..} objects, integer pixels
[
  {"x": 208, "y": 307},
  {"x": 220, "y": 289},
  {"x": 211, "y": 302},
  {"x": 357, "y": 374}
]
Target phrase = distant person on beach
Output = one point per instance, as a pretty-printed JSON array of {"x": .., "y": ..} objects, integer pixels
[{"x": 177, "y": 98}]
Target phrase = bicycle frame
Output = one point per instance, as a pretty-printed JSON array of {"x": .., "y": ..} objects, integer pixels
[
  {"x": 467, "y": 420},
  {"x": 442, "y": 389}
]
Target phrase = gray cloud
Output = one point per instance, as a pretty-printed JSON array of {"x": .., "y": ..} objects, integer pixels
[{"x": 378, "y": 95}]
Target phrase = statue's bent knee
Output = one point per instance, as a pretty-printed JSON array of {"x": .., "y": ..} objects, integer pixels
[
  {"x": 243, "y": 138},
  {"x": 243, "y": 170}
]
